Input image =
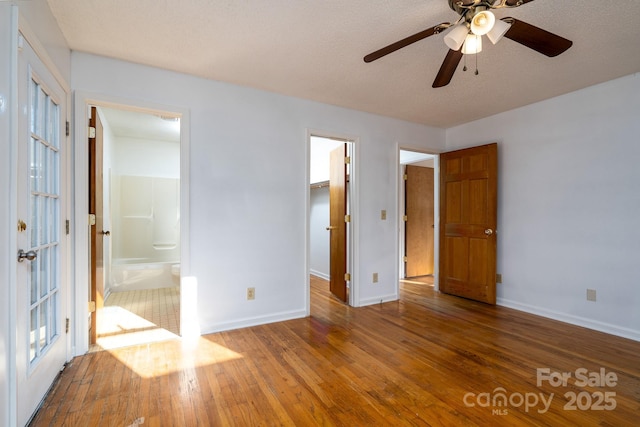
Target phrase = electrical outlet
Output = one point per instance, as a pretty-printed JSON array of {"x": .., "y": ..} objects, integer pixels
[
  {"x": 591, "y": 294},
  {"x": 251, "y": 293},
  {"x": 498, "y": 278},
  {"x": 375, "y": 277}
]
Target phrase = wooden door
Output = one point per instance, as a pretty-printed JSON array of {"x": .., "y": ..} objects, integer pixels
[
  {"x": 419, "y": 221},
  {"x": 96, "y": 291},
  {"x": 468, "y": 218},
  {"x": 338, "y": 226}
]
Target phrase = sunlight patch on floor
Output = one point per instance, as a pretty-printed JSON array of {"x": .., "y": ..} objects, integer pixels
[
  {"x": 160, "y": 359},
  {"x": 121, "y": 328}
]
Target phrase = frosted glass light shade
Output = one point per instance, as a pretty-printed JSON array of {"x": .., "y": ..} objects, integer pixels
[
  {"x": 499, "y": 29},
  {"x": 472, "y": 44},
  {"x": 455, "y": 37},
  {"x": 482, "y": 23}
]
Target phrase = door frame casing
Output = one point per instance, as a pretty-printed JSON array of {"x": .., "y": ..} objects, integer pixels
[
  {"x": 80, "y": 221},
  {"x": 352, "y": 230},
  {"x": 400, "y": 213}
]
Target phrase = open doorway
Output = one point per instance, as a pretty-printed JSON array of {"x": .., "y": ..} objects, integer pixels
[
  {"x": 329, "y": 219},
  {"x": 136, "y": 286},
  {"x": 417, "y": 231}
]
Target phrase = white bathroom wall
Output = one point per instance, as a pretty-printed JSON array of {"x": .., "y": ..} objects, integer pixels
[
  {"x": 249, "y": 188},
  {"x": 108, "y": 140},
  {"x": 146, "y": 157},
  {"x": 568, "y": 204},
  {"x": 145, "y": 199},
  {"x": 146, "y": 226}
]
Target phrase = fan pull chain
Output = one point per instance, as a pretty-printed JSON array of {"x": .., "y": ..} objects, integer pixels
[
  {"x": 476, "y": 73},
  {"x": 465, "y": 63}
]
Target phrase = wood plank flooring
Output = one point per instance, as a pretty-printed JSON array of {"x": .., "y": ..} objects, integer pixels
[
  {"x": 138, "y": 317},
  {"x": 426, "y": 360}
]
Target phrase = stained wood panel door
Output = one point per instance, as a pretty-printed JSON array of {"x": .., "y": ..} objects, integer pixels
[
  {"x": 96, "y": 291},
  {"x": 338, "y": 226},
  {"x": 468, "y": 218},
  {"x": 419, "y": 224}
]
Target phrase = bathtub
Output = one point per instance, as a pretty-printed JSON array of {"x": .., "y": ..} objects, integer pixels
[{"x": 131, "y": 274}]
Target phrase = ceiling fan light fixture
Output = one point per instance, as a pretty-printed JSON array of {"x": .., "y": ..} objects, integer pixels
[
  {"x": 456, "y": 36},
  {"x": 472, "y": 44},
  {"x": 498, "y": 31},
  {"x": 482, "y": 22}
]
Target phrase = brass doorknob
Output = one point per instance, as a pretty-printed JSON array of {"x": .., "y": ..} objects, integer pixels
[
  {"x": 331, "y": 227},
  {"x": 488, "y": 232}
]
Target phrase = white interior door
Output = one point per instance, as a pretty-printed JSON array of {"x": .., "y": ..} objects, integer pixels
[{"x": 42, "y": 291}]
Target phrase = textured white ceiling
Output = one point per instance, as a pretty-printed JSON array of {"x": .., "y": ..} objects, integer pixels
[{"x": 313, "y": 49}]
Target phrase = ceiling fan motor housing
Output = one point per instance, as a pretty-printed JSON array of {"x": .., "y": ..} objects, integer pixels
[{"x": 469, "y": 8}]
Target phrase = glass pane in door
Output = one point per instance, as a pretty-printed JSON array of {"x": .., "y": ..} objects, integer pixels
[{"x": 44, "y": 156}]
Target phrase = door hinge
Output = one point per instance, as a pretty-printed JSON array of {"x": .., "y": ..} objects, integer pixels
[
  {"x": 66, "y": 326},
  {"x": 405, "y": 177},
  {"x": 92, "y": 132},
  {"x": 347, "y": 160},
  {"x": 66, "y": 227},
  {"x": 347, "y": 277},
  {"x": 404, "y": 258},
  {"x": 92, "y": 306},
  {"x": 404, "y": 218},
  {"x": 347, "y": 218},
  {"x": 68, "y": 128},
  {"x": 92, "y": 219}
]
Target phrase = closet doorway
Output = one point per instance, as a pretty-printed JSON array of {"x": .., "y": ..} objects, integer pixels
[
  {"x": 417, "y": 231},
  {"x": 330, "y": 170}
]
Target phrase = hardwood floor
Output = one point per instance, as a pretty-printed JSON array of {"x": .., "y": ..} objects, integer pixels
[
  {"x": 138, "y": 317},
  {"x": 428, "y": 359}
]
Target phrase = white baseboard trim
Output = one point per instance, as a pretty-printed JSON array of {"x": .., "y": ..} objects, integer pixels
[
  {"x": 319, "y": 274},
  {"x": 377, "y": 300},
  {"x": 571, "y": 319},
  {"x": 253, "y": 321}
]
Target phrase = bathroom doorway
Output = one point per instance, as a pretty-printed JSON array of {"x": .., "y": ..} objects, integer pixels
[{"x": 137, "y": 297}]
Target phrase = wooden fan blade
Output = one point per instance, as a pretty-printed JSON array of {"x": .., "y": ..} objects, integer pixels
[
  {"x": 405, "y": 42},
  {"x": 536, "y": 38},
  {"x": 517, "y": 2},
  {"x": 448, "y": 68}
]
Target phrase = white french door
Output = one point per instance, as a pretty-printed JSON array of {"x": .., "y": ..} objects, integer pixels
[{"x": 42, "y": 288}]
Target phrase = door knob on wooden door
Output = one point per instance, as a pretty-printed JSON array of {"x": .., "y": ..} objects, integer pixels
[
  {"x": 488, "y": 232},
  {"x": 331, "y": 227}
]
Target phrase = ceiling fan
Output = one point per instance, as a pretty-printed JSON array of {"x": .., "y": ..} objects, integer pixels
[{"x": 465, "y": 35}]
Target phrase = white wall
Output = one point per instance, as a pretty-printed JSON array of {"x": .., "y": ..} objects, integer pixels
[
  {"x": 569, "y": 204},
  {"x": 146, "y": 157},
  {"x": 40, "y": 29},
  {"x": 249, "y": 187},
  {"x": 318, "y": 235},
  {"x": 8, "y": 26},
  {"x": 39, "y": 21}
]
